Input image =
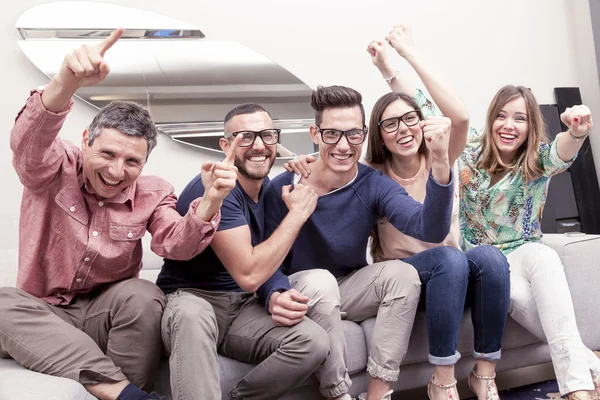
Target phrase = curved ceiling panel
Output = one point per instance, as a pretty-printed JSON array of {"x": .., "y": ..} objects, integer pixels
[{"x": 187, "y": 81}]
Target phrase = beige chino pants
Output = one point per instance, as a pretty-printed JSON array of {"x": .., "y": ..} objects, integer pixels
[
  {"x": 388, "y": 290},
  {"x": 106, "y": 337}
]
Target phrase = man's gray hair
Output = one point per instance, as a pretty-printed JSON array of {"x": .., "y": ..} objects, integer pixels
[{"x": 127, "y": 117}]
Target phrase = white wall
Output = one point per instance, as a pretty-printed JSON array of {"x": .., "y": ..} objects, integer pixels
[{"x": 478, "y": 45}]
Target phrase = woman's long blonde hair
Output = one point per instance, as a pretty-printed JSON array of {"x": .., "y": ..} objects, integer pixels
[{"x": 527, "y": 156}]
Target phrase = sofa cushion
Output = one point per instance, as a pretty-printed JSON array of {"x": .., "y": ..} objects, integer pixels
[{"x": 20, "y": 383}]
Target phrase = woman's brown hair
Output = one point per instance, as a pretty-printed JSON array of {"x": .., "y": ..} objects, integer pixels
[
  {"x": 527, "y": 155},
  {"x": 377, "y": 153}
]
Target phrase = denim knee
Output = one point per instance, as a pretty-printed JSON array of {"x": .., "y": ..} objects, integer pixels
[
  {"x": 488, "y": 260},
  {"x": 453, "y": 264}
]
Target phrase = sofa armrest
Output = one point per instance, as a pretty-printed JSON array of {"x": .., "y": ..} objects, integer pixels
[{"x": 581, "y": 258}]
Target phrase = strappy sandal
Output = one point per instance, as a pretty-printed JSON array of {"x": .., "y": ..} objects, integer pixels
[
  {"x": 575, "y": 396},
  {"x": 595, "y": 394},
  {"x": 491, "y": 392},
  {"x": 450, "y": 389},
  {"x": 387, "y": 396}
]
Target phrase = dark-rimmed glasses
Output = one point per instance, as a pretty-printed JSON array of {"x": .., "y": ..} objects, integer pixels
[
  {"x": 391, "y": 125},
  {"x": 333, "y": 136},
  {"x": 268, "y": 136}
]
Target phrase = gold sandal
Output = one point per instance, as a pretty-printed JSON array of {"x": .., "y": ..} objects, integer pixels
[
  {"x": 448, "y": 388},
  {"x": 491, "y": 392},
  {"x": 575, "y": 396},
  {"x": 596, "y": 393}
]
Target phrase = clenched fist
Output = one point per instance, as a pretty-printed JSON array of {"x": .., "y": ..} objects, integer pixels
[
  {"x": 400, "y": 38},
  {"x": 578, "y": 119},
  {"x": 436, "y": 133},
  {"x": 302, "y": 200}
]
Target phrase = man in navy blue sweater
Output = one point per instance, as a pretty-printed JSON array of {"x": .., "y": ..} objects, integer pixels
[
  {"x": 210, "y": 303},
  {"x": 327, "y": 262}
]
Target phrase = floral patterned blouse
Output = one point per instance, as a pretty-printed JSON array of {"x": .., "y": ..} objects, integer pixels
[{"x": 509, "y": 213}]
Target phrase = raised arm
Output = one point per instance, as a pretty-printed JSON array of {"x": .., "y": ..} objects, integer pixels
[
  {"x": 578, "y": 119},
  {"x": 37, "y": 151},
  {"x": 430, "y": 221},
  {"x": 400, "y": 38},
  {"x": 183, "y": 238},
  {"x": 251, "y": 265},
  {"x": 84, "y": 66}
]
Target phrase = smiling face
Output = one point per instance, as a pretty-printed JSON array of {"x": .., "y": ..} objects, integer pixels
[
  {"x": 343, "y": 156},
  {"x": 405, "y": 141},
  {"x": 113, "y": 161},
  {"x": 511, "y": 128},
  {"x": 253, "y": 162}
]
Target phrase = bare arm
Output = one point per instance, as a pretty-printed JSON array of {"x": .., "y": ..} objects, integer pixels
[
  {"x": 400, "y": 38},
  {"x": 579, "y": 121},
  {"x": 251, "y": 266}
]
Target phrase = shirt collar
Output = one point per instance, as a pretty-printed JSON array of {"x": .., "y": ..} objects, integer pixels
[{"x": 128, "y": 194}]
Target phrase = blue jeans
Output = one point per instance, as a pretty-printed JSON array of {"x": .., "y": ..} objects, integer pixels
[
  {"x": 488, "y": 296},
  {"x": 447, "y": 274}
]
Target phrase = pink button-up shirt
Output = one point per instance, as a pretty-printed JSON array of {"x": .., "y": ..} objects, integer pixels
[{"x": 71, "y": 240}]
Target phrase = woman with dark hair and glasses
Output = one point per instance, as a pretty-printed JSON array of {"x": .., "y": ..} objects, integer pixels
[{"x": 396, "y": 146}]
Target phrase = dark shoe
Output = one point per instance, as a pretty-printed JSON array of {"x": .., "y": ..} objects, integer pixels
[{"x": 132, "y": 392}]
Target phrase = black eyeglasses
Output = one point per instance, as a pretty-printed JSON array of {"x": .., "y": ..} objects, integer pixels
[
  {"x": 391, "y": 125},
  {"x": 333, "y": 136},
  {"x": 268, "y": 136}
]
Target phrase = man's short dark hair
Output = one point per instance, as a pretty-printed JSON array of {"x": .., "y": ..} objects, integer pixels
[
  {"x": 126, "y": 117},
  {"x": 247, "y": 108},
  {"x": 335, "y": 97}
]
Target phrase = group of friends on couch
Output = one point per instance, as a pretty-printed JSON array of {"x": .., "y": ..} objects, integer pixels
[{"x": 263, "y": 271}]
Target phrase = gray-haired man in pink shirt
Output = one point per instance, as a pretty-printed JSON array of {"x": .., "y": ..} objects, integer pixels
[{"x": 79, "y": 311}]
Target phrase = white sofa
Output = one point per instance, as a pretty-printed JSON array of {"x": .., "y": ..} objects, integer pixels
[{"x": 580, "y": 255}]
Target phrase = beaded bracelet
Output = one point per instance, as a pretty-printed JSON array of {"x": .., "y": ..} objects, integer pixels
[
  {"x": 391, "y": 78},
  {"x": 577, "y": 138}
]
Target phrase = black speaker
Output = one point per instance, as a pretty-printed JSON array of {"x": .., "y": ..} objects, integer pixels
[
  {"x": 560, "y": 212},
  {"x": 583, "y": 170}
]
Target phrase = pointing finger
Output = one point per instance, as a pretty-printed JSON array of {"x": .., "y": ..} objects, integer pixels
[
  {"x": 230, "y": 156},
  {"x": 110, "y": 41},
  {"x": 207, "y": 166}
]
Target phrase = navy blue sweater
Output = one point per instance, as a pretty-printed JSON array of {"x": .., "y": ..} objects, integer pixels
[{"x": 335, "y": 236}]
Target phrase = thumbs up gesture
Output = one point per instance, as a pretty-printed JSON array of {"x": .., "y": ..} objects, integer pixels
[{"x": 219, "y": 178}]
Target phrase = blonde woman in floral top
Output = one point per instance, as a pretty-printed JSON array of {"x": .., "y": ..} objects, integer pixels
[{"x": 504, "y": 175}]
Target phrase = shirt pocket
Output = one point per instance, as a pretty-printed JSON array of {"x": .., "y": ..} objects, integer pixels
[
  {"x": 73, "y": 205},
  {"x": 69, "y": 221},
  {"x": 126, "y": 233}
]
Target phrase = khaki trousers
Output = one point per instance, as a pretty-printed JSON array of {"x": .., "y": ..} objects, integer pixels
[
  {"x": 197, "y": 323},
  {"x": 106, "y": 337},
  {"x": 389, "y": 290}
]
